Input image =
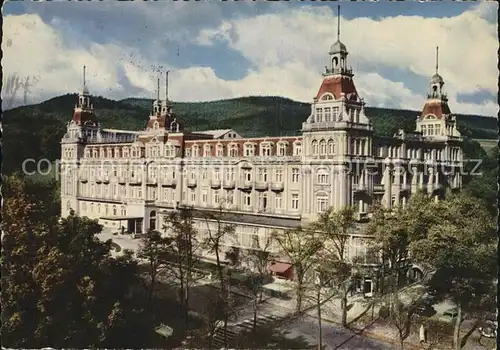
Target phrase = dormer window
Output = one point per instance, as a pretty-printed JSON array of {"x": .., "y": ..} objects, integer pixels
[
  {"x": 265, "y": 149},
  {"x": 156, "y": 125},
  {"x": 233, "y": 150},
  {"x": 327, "y": 97},
  {"x": 249, "y": 150},
  {"x": 174, "y": 126},
  {"x": 282, "y": 148},
  {"x": 196, "y": 151},
  {"x": 430, "y": 130},
  {"x": 188, "y": 152},
  {"x": 207, "y": 150},
  {"x": 220, "y": 150},
  {"x": 297, "y": 148}
]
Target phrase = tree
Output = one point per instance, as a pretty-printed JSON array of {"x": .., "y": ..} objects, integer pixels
[
  {"x": 61, "y": 287},
  {"x": 217, "y": 233},
  {"x": 152, "y": 249},
  {"x": 181, "y": 249},
  {"x": 400, "y": 317},
  {"x": 258, "y": 259},
  {"x": 299, "y": 245},
  {"x": 461, "y": 248},
  {"x": 334, "y": 228}
]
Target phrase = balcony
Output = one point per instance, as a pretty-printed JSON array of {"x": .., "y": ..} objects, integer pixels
[
  {"x": 152, "y": 181},
  {"x": 121, "y": 180},
  {"x": 135, "y": 181},
  {"x": 361, "y": 217},
  {"x": 359, "y": 188},
  {"x": 277, "y": 186},
  {"x": 83, "y": 178},
  {"x": 378, "y": 188},
  {"x": 106, "y": 179},
  {"x": 261, "y": 186},
  {"x": 191, "y": 183},
  {"x": 229, "y": 184},
  {"x": 214, "y": 183},
  {"x": 170, "y": 183},
  {"x": 245, "y": 185},
  {"x": 98, "y": 180}
]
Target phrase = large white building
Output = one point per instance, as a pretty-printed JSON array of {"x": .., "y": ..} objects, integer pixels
[{"x": 129, "y": 178}]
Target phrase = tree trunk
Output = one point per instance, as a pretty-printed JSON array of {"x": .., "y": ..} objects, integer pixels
[
  {"x": 343, "y": 307},
  {"x": 456, "y": 332},
  {"x": 255, "y": 315},
  {"x": 298, "y": 291},
  {"x": 320, "y": 334}
]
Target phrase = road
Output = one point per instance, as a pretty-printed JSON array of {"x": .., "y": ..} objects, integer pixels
[{"x": 334, "y": 337}]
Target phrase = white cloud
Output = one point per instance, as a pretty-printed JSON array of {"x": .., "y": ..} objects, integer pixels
[
  {"x": 287, "y": 51},
  {"x": 468, "y": 45}
]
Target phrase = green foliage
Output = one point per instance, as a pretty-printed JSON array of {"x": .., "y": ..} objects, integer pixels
[
  {"x": 61, "y": 287},
  {"x": 35, "y": 131}
]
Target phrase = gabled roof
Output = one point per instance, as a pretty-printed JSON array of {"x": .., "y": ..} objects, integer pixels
[
  {"x": 439, "y": 108},
  {"x": 217, "y": 133}
]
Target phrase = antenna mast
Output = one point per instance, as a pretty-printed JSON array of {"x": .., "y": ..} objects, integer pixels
[
  {"x": 166, "y": 85},
  {"x": 84, "y": 77},
  {"x": 437, "y": 59},
  {"x": 338, "y": 23}
]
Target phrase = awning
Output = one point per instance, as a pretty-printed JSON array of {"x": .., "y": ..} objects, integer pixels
[{"x": 279, "y": 267}]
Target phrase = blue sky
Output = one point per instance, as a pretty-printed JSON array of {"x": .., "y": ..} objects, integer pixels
[{"x": 219, "y": 50}]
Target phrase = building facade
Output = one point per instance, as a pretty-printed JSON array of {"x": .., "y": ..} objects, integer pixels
[{"x": 128, "y": 179}]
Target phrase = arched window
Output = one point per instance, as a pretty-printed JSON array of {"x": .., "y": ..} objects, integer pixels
[
  {"x": 91, "y": 207},
  {"x": 322, "y": 147},
  {"x": 156, "y": 125},
  {"x": 99, "y": 208},
  {"x": 335, "y": 62},
  {"x": 106, "y": 209},
  {"x": 123, "y": 211},
  {"x": 315, "y": 147},
  {"x": 331, "y": 147},
  {"x": 68, "y": 205},
  {"x": 152, "y": 220},
  {"x": 114, "y": 210}
]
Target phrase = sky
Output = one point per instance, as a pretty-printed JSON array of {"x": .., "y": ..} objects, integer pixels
[{"x": 218, "y": 50}]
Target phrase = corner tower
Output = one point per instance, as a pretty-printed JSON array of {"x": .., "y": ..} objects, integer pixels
[{"x": 336, "y": 135}]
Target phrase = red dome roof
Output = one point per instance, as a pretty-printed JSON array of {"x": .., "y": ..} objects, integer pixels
[{"x": 338, "y": 85}]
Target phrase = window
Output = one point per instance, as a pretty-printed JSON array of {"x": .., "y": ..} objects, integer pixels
[
  {"x": 152, "y": 220},
  {"x": 265, "y": 149},
  {"x": 279, "y": 175},
  {"x": 204, "y": 197},
  {"x": 217, "y": 197},
  {"x": 204, "y": 174},
  {"x": 282, "y": 149},
  {"x": 91, "y": 207},
  {"x": 430, "y": 130},
  {"x": 165, "y": 194},
  {"x": 233, "y": 150},
  {"x": 328, "y": 114},
  {"x": 263, "y": 201},
  {"x": 322, "y": 147},
  {"x": 314, "y": 147},
  {"x": 106, "y": 209},
  {"x": 123, "y": 211},
  {"x": 322, "y": 203},
  {"x": 220, "y": 151},
  {"x": 424, "y": 130},
  {"x": 295, "y": 201},
  {"x": 114, "y": 210},
  {"x": 335, "y": 113},
  {"x": 196, "y": 150},
  {"x": 295, "y": 175},
  {"x": 249, "y": 150},
  {"x": 278, "y": 201},
  {"x": 297, "y": 149},
  {"x": 322, "y": 177},
  {"x": 263, "y": 174},
  {"x": 207, "y": 150},
  {"x": 229, "y": 197},
  {"x": 247, "y": 199},
  {"x": 248, "y": 175},
  {"x": 319, "y": 115},
  {"x": 438, "y": 129},
  {"x": 331, "y": 147}
]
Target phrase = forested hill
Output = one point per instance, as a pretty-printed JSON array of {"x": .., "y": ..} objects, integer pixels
[{"x": 35, "y": 131}]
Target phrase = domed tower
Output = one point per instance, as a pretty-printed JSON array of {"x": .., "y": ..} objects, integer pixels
[
  {"x": 436, "y": 119},
  {"x": 335, "y": 135}
]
